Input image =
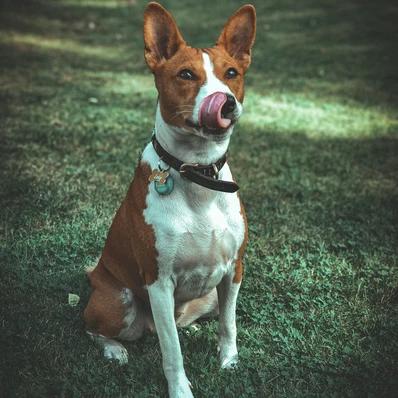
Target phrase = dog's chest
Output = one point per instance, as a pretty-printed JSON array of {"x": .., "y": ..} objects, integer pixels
[
  {"x": 197, "y": 243},
  {"x": 204, "y": 252}
]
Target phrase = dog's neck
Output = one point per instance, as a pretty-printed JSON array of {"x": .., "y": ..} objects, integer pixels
[{"x": 187, "y": 147}]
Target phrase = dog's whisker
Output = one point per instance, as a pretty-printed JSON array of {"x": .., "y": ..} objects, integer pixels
[
  {"x": 182, "y": 112},
  {"x": 185, "y": 107},
  {"x": 177, "y": 114}
]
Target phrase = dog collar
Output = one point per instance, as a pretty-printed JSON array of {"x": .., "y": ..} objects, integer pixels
[{"x": 205, "y": 175}]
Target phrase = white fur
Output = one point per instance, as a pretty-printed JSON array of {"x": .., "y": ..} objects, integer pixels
[
  {"x": 163, "y": 306},
  {"x": 227, "y": 295},
  {"x": 212, "y": 85}
]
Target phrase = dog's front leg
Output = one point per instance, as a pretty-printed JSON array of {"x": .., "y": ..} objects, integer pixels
[
  {"x": 161, "y": 297},
  {"x": 227, "y": 291}
]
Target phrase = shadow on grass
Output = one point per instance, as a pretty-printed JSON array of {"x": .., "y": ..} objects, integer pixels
[
  {"x": 341, "y": 51},
  {"x": 315, "y": 205}
]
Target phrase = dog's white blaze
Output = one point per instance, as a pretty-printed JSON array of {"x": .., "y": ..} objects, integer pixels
[{"x": 212, "y": 85}]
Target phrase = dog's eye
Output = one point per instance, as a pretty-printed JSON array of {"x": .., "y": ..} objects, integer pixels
[
  {"x": 231, "y": 73},
  {"x": 186, "y": 74}
]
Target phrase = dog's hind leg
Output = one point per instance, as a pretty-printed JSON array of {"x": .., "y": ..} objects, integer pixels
[
  {"x": 113, "y": 350},
  {"x": 113, "y": 313},
  {"x": 136, "y": 319},
  {"x": 202, "y": 307}
]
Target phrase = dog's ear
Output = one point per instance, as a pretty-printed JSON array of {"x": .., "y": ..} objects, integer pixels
[
  {"x": 161, "y": 35},
  {"x": 239, "y": 33}
]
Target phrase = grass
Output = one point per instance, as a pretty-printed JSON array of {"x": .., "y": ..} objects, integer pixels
[{"x": 316, "y": 158}]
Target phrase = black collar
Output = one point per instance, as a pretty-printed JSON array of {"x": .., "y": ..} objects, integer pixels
[{"x": 205, "y": 175}]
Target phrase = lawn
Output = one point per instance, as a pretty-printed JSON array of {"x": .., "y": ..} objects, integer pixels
[{"x": 315, "y": 154}]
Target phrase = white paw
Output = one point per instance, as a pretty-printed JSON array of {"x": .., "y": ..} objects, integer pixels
[
  {"x": 116, "y": 352},
  {"x": 181, "y": 391},
  {"x": 180, "y": 388},
  {"x": 228, "y": 354},
  {"x": 230, "y": 362}
]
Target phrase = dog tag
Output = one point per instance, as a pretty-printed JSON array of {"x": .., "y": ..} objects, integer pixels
[
  {"x": 159, "y": 176},
  {"x": 166, "y": 188},
  {"x": 163, "y": 182}
]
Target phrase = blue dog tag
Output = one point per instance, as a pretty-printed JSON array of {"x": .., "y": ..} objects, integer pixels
[
  {"x": 165, "y": 188},
  {"x": 163, "y": 181}
]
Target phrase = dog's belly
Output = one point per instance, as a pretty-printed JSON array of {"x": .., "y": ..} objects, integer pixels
[
  {"x": 202, "y": 261},
  {"x": 196, "y": 249},
  {"x": 197, "y": 284}
]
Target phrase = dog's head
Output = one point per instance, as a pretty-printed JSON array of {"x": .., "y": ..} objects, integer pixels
[{"x": 200, "y": 90}]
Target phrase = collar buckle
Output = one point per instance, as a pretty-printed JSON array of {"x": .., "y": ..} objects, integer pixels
[
  {"x": 216, "y": 171},
  {"x": 184, "y": 166}
]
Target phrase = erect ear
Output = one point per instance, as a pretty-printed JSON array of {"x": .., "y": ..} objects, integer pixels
[
  {"x": 239, "y": 33},
  {"x": 161, "y": 35}
]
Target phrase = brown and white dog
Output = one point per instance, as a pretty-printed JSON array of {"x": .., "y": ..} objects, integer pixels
[{"x": 174, "y": 252}]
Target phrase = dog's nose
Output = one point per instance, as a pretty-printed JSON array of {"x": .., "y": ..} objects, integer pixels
[{"x": 229, "y": 105}]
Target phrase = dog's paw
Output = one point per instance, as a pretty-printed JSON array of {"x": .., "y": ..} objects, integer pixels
[
  {"x": 181, "y": 391},
  {"x": 180, "y": 388},
  {"x": 116, "y": 352},
  {"x": 228, "y": 355},
  {"x": 230, "y": 362}
]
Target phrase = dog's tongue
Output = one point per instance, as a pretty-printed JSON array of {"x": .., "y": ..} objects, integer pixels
[{"x": 210, "y": 112}]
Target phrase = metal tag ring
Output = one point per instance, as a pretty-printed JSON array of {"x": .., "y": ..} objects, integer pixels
[{"x": 160, "y": 167}]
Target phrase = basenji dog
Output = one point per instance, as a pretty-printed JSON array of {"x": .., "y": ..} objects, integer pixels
[{"x": 174, "y": 250}]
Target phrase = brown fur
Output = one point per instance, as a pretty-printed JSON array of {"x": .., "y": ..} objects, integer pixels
[
  {"x": 104, "y": 312},
  {"x": 175, "y": 94},
  {"x": 128, "y": 260},
  {"x": 238, "y": 35},
  {"x": 166, "y": 54},
  {"x": 206, "y": 306},
  {"x": 239, "y": 262}
]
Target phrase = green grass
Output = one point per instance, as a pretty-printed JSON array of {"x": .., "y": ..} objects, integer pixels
[{"x": 316, "y": 158}]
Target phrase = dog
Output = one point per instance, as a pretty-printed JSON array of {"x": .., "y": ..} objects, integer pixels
[{"x": 174, "y": 250}]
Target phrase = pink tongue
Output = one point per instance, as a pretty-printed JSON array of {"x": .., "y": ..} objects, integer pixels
[{"x": 210, "y": 111}]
